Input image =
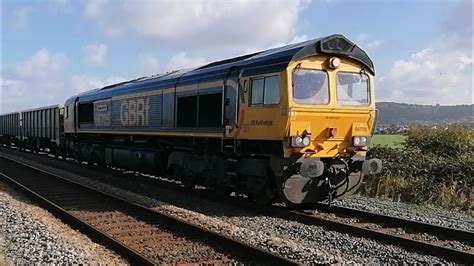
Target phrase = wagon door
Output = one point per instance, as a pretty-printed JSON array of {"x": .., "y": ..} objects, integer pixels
[{"x": 231, "y": 103}]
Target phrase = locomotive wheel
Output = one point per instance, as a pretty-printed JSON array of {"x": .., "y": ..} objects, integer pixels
[
  {"x": 62, "y": 153},
  {"x": 188, "y": 180},
  {"x": 222, "y": 191},
  {"x": 280, "y": 181},
  {"x": 36, "y": 146},
  {"x": 53, "y": 149},
  {"x": 176, "y": 172},
  {"x": 95, "y": 159},
  {"x": 266, "y": 196}
]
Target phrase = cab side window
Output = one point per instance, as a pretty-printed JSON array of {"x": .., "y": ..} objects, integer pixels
[
  {"x": 257, "y": 91},
  {"x": 266, "y": 91}
]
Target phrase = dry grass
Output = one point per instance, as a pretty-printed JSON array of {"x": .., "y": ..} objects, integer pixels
[
  {"x": 417, "y": 190},
  {"x": 454, "y": 196}
]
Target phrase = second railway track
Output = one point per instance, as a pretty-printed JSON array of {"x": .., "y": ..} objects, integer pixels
[
  {"x": 142, "y": 235},
  {"x": 427, "y": 238}
]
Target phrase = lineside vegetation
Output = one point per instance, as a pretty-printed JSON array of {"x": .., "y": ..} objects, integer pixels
[{"x": 431, "y": 166}]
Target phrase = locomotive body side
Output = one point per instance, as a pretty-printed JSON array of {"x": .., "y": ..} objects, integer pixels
[{"x": 285, "y": 124}]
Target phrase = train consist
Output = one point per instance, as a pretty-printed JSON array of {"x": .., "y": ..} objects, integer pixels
[{"x": 288, "y": 124}]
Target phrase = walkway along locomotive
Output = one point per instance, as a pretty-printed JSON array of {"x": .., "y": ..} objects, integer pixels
[{"x": 290, "y": 123}]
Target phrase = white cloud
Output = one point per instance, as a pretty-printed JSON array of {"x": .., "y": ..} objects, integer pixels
[
  {"x": 374, "y": 44},
  {"x": 182, "y": 60},
  {"x": 34, "y": 82},
  {"x": 149, "y": 64},
  {"x": 19, "y": 85},
  {"x": 42, "y": 80},
  {"x": 205, "y": 24},
  {"x": 40, "y": 65},
  {"x": 367, "y": 42},
  {"x": 441, "y": 73},
  {"x": 299, "y": 38},
  {"x": 82, "y": 83},
  {"x": 95, "y": 54},
  {"x": 435, "y": 75},
  {"x": 295, "y": 39}
]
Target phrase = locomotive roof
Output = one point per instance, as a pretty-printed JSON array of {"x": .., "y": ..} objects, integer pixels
[{"x": 268, "y": 61}]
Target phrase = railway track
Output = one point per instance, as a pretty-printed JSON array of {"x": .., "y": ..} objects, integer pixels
[
  {"x": 141, "y": 235},
  {"x": 422, "y": 237},
  {"x": 413, "y": 235}
]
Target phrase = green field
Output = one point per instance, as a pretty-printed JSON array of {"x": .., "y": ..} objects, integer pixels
[{"x": 387, "y": 140}]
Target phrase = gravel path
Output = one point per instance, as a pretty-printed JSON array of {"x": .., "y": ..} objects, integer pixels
[
  {"x": 33, "y": 235},
  {"x": 443, "y": 217},
  {"x": 304, "y": 243}
]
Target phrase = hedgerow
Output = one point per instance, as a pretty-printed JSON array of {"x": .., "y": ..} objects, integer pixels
[{"x": 432, "y": 166}]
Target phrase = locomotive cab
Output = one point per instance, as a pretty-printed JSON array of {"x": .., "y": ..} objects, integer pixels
[{"x": 331, "y": 116}]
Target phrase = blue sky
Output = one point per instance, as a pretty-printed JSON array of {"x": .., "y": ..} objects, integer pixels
[{"x": 52, "y": 49}]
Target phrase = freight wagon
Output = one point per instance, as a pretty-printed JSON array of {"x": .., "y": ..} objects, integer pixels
[
  {"x": 34, "y": 129},
  {"x": 42, "y": 128},
  {"x": 10, "y": 128}
]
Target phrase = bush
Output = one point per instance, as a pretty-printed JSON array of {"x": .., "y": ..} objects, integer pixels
[
  {"x": 433, "y": 166},
  {"x": 451, "y": 142}
]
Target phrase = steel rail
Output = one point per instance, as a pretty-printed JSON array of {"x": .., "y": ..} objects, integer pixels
[
  {"x": 420, "y": 246},
  {"x": 77, "y": 223},
  {"x": 224, "y": 241},
  {"x": 452, "y": 233},
  {"x": 420, "y": 227}
]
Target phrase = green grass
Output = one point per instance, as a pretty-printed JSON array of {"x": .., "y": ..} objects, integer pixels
[{"x": 387, "y": 140}]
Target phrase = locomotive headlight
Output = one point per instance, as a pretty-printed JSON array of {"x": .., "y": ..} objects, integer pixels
[
  {"x": 299, "y": 142},
  {"x": 356, "y": 141},
  {"x": 306, "y": 141},
  {"x": 360, "y": 141},
  {"x": 334, "y": 62}
]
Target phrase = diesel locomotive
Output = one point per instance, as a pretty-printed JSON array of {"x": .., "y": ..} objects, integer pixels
[{"x": 288, "y": 124}]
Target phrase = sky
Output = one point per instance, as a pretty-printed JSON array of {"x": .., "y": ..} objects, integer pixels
[{"x": 53, "y": 49}]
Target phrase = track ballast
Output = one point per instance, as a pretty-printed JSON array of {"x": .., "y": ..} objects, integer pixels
[
  {"x": 142, "y": 235},
  {"x": 392, "y": 230}
]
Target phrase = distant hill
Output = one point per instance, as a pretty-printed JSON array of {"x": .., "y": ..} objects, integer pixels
[{"x": 390, "y": 112}]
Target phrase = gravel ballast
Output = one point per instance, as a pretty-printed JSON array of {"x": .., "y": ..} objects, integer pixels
[
  {"x": 33, "y": 235},
  {"x": 3, "y": 257},
  {"x": 426, "y": 214},
  {"x": 304, "y": 243}
]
